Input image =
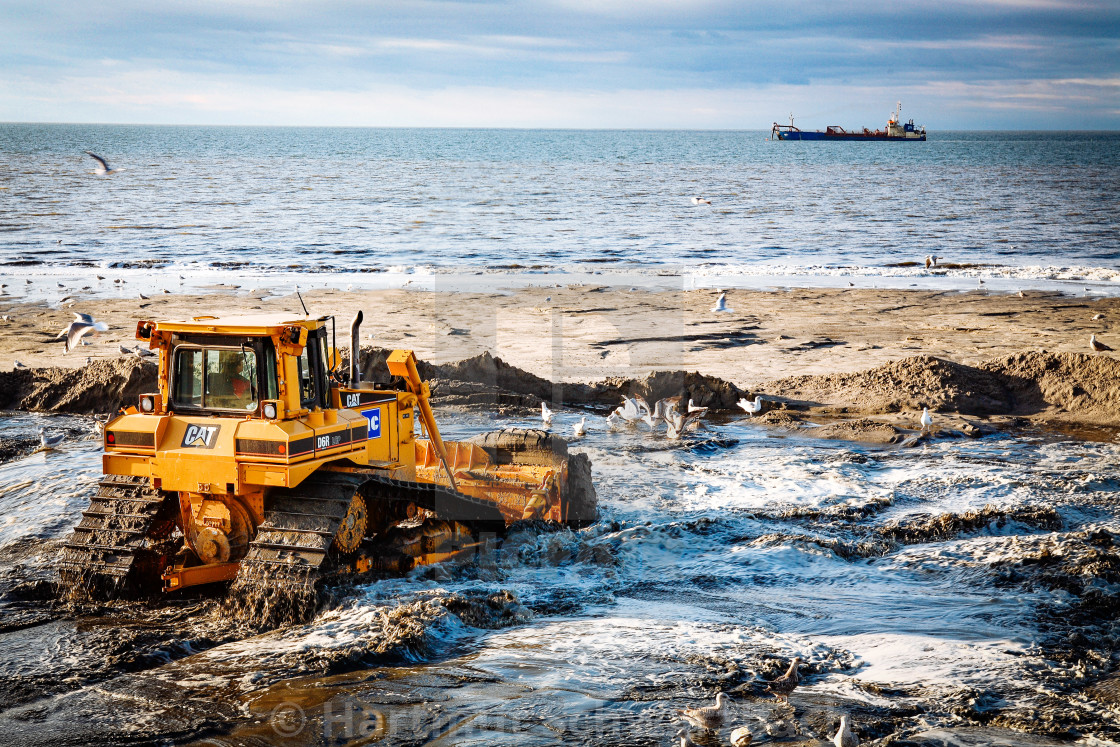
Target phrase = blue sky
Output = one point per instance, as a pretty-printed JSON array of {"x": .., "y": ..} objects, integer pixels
[{"x": 1010, "y": 64}]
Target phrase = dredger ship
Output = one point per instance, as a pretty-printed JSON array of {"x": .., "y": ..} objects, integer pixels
[
  {"x": 262, "y": 461},
  {"x": 895, "y": 130}
]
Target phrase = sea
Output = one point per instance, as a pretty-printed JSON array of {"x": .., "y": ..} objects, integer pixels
[
  {"x": 931, "y": 592},
  {"x": 379, "y": 207}
]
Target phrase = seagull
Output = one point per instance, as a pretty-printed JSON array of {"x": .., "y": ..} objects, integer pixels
[
  {"x": 695, "y": 408},
  {"x": 580, "y": 428},
  {"x": 546, "y": 414},
  {"x": 99, "y": 277},
  {"x": 1022, "y": 295},
  {"x": 721, "y": 303},
  {"x": 751, "y": 408},
  {"x": 678, "y": 424},
  {"x": 933, "y": 260},
  {"x": 47, "y": 443},
  {"x": 142, "y": 297},
  {"x": 1096, "y": 345},
  {"x": 979, "y": 282},
  {"x": 707, "y": 717},
  {"x": 741, "y": 737},
  {"x": 701, "y": 201},
  {"x": 929, "y": 261},
  {"x": 633, "y": 409},
  {"x": 926, "y": 420},
  {"x": 83, "y": 324},
  {"x": 1098, "y": 317},
  {"x": 784, "y": 685},
  {"x": 17, "y": 365},
  {"x": 124, "y": 350},
  {"x": 685, "y": 740},
  {"x": 613, "y": 418},
  {"x": 844, "y": 736},
  {"x": 143, "y": 352},
  {"x": 103, "y": 165},
  {"x": 661, "y": 410}
]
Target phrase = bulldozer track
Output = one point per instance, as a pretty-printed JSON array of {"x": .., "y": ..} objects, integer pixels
[
  {"x": 292, "y": 550},
  {"x": 100, "y": 558}
]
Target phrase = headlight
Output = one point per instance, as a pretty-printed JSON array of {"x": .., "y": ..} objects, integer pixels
[
  {"x": 146, "y": 404},
  {"x": 269, "y": 410}
]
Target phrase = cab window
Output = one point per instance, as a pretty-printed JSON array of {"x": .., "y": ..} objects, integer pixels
[{"x": 216, "y": 378}]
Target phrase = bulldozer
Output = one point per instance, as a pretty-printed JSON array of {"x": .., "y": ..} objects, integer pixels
[{"x": 264, "y": 461}]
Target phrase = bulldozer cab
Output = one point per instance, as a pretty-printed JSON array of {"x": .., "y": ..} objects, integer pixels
[
  {"x": 212, "y": 372},
  {"x": 222, "y": 375}
]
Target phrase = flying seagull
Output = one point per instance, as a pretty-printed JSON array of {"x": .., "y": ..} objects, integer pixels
[
  {"x": 707, "y": 717},
  {"x": 721, "y": 303},
  {"x": 1096, "y": 345},
  {"x": 103, "y": 165},
  {"x": 82, "y": 325}
]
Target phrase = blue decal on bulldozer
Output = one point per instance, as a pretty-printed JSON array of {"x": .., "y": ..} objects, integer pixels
[{"x": 373, "y": 418}]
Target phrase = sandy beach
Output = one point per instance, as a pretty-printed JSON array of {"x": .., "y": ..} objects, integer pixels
[{"x": 588, "y": 334}]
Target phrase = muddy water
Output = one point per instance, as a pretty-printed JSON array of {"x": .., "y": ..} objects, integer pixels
[{"x": 718, "y": 559}]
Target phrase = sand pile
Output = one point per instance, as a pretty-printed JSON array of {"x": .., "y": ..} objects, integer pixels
[
  {"x": 102, "y": 386},
  {"x": 1069, "y": 385}
]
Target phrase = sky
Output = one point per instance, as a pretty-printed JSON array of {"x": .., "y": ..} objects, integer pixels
[{"x": 954, "y": 64}]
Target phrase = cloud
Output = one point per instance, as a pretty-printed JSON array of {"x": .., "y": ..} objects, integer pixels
[{"x": 605, "y": 61}]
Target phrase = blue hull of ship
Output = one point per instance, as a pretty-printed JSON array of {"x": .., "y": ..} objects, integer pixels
[{"x": 825, "y": 136}]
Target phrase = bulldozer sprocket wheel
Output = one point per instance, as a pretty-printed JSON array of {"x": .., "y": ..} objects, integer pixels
[
  {"x": 111, "y": 552},
  {"x": 353, "y": 527}
]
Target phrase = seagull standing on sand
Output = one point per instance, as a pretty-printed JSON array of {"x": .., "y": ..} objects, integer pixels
[
  {"x": 707, "y": 717},
  {"x": 751, "y": 408},
  {"x": 844, "y": 736},
  {"x": 721, "y": 304},
  {"x": 580, "y": 428},
  {"x": 926, "y": 419},
  {"x": 82, "y": 325},
  {"x": 47, "y": 443},
  {"x": 784, "y": 685},
  {"x": 546, "y": 414},
  {"x": 143, "y": 352},
  {"x": 102, "y": 164},
  {"x": 17, "y": 366},
  {"x": 1096, "y": 345}
]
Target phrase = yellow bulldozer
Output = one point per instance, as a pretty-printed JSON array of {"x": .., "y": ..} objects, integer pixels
[{"x": 264, "y": 461}]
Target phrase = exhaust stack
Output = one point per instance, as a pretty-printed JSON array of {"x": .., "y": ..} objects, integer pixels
[{"x": 355, "y": 374}]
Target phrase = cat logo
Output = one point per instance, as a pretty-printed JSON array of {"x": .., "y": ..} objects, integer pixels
[{"x": 200, "y": 436}]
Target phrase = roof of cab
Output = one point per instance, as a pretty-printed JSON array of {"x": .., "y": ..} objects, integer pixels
[{"x": 243, "y": 324}]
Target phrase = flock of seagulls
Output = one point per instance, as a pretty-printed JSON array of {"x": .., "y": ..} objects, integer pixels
[
  {"x": 634, "y": 410},
  {"x": 713, "y": 717}
]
